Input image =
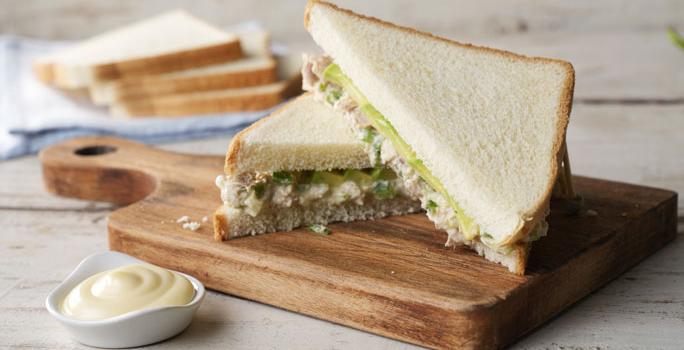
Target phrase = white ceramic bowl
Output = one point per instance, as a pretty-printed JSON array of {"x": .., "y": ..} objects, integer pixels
[{"x": 133, "y": 329}]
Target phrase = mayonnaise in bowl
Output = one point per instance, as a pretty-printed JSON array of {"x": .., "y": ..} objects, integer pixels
[{"x": 126, "y": 289}]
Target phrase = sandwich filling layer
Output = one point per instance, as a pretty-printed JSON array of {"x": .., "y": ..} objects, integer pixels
[
  {"x": 386, "y": 148},
  {"x": 257, "y": 193}
]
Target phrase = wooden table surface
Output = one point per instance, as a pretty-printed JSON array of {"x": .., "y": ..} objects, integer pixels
[{"x": 627, "y": 124}]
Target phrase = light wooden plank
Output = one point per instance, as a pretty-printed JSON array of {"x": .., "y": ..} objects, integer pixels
[
  {"x": 618, "y": 66},
  {"x": 638, "y": 144},
  {"x": 74, "y": 18}
]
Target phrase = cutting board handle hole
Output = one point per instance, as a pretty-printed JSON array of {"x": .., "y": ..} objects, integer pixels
[{"x": 96, "y": 150}]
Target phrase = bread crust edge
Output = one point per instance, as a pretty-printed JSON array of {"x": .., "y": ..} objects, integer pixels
[
  {"x": 221, "y": 228},
  {"x": 63, "y": 76},
  {"x": 148, "y": 87},
  {"x": 233, "y": 154}
]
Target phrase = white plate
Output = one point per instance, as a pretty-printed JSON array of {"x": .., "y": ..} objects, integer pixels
[{"x": 132, "y": 329}]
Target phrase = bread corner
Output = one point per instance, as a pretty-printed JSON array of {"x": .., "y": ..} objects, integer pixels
[
  {"x": 307, "y": 12},
  {"x": 220, "y": 225}
]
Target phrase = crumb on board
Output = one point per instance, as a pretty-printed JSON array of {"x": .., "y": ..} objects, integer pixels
[
  {"x": 187, "y": 224},
  {"x": 592, "y": 212},
  {"x": 192, "y": 225},
  {"x": 205, "y": 219}
]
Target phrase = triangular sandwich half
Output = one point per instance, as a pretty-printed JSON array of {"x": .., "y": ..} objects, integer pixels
[
  {"x": 477, "y": 134},
  {"x": 302, "y": 166}
]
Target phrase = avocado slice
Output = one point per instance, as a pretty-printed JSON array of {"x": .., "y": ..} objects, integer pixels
[
  {"x": 334, "y": 74},
  {"x": 360, "y": 177},
  {"x": 329, "y": 178}
]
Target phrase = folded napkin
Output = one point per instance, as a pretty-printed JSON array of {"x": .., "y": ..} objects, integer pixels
[{"x": 34, "y": 116}]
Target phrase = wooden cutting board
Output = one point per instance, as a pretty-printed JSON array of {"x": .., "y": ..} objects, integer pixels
[{"x": 392, "y": 277}]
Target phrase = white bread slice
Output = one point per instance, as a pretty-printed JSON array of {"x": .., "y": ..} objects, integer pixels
[
  {"x": 241, "y": 73},
  {"x": 218, "y": 101},
  {"x": 257, "y": 68},
  {"x": 301, "y": 135},
  {"x": 207, "y": 102},
  {"x": 256, "y": 43},
  {"x": 488, "y": 124},
  {"x": 171, "y": 41}
]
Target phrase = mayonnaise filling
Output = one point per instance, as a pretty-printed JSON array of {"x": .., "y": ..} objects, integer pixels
[{"x": 255, "y": 193}]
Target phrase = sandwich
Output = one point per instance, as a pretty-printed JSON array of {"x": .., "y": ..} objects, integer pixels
[
  {"x": 302, "y": 166},
  {"x": 475, "y": 134}
]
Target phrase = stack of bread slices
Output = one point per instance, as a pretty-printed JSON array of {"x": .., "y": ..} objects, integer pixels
[{"x": 173, "y": 64}]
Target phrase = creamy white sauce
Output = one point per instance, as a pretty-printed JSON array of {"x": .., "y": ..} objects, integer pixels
[{"x": 125, "y": 289}]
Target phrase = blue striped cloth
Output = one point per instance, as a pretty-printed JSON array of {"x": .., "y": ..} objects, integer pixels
[{"x": 34, "y": 116}]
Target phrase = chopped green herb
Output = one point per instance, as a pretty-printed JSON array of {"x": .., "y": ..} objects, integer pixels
[
  {"x": 323, "y": 86},
  {"x": 486, "y": 235},
  {"x": 377, "y": 151},
  {"x": 383, "y": 189},
  {"x": 259, "y": 189},
  {"x": 675, "y": 37},
  {"x": 333, "y": 96},
  {"x": 320, "y": 229},
  {"x": 282, "y": 178},
  {"x": 368, "y": 134},
  {"x": 431, "y": 205}
]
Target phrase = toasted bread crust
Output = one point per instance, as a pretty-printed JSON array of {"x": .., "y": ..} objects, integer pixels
[
  {"x": 530, "y": 219},
  {"x": 151, "y": 86},
  {"x": 54, "y": 73},
  {"x": 221, "y": 228},
  {"x": 522, "y": 251},
  {"x": 236, "y": 144},
  {"x": 182, "y": 105}
]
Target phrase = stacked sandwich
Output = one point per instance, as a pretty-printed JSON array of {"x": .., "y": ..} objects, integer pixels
[
  {"x": 173, "y": 64},
  {"x": 396, "y": 120}
]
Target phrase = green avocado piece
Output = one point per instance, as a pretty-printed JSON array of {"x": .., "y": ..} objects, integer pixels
[
  {"x": 334, "y": 74},
  {"x": 329, "y": 178},
  {"x": 380, "y": 173},
  {"x": 359, "y": 177}
]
